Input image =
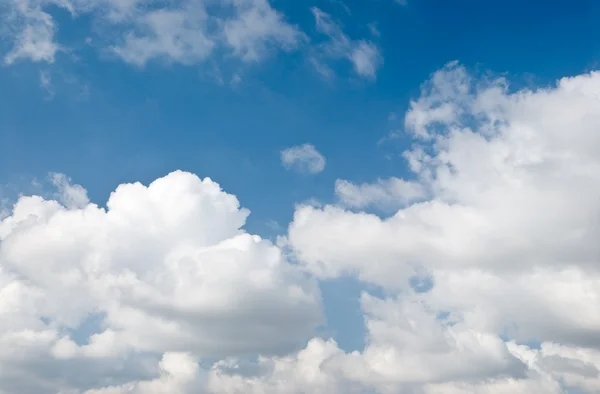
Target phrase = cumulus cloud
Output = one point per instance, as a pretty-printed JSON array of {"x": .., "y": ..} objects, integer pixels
[
  {"x": 512, "y": 187},
  {"x": 179, "y": 373},
  {"x": 166, "y": 268},
  {"x": 303, "y": 158},
  {"x": 500, "y": 217},
  {"x": 364, "y": 55},
  {"x": 409, "y": 349},
  {"x": 304, "y": 372},
  {"x": 185, "y": 32},
  {"x": 507, "y": 233}
]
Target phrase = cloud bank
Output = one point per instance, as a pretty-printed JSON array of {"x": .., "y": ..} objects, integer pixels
[{"x": 163, "y": 290}]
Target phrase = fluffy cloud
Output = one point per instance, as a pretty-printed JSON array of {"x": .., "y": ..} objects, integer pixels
[
  {"x": 362, "y": 54},
  {"x": 303, "y": 158},
  {"x": 185, "y": 32},
  {"x": 304, "y": 372},
  {"x": 179, "y": 373},
  {"x": 507, "y": 237},
  {"x": 512, "y": 193},
  {"x": 165, "y": 268},
  {"x": 487, "y": 275},
  {"x": 409, "y": 349}
]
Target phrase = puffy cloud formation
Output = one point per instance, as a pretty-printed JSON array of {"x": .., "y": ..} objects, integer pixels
[
  {"x": 303, "y": 158},
  {"x": 364, "y": 55},
  {"x": 507, "y": 238},
  {"x": 487, "y": 275},
  {"x": 179, "y": 373},
  {"x": 513, "y": 186},
  {"x": 138, "y": 31},
  {"x": 164, "y": 269}
]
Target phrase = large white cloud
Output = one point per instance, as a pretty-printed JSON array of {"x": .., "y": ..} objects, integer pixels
[
  {"x": 513, "y": 180},
  {"x": 166, "y": 268},
  {"x": 507, "y": 235}
]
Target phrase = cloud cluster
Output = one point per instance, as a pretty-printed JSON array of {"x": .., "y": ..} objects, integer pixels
[
  {"x": 185, "y": 32},
  {"x": 487, "y": 274},
  {"x": 164, "y": 269},
  {"x": 507, "y": 237},
  {"x": 181, "y": 31}
]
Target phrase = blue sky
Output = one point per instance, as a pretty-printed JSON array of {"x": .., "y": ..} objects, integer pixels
[
  {"x": 99, "y": 96},
  {"x": 162, "y": 117}
]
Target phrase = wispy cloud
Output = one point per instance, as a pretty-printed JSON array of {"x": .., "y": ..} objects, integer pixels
[
  {"x": 374, "y": 29},
  {"x": 140, "y": 31},
  {"x": 391, "y": 193},
  {"x": 46, "y": 83},
  {"x": 364, "y": 55},
  {"x": 33, "y": 33}
]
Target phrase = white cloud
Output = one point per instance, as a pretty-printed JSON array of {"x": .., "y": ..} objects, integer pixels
[
  {"x": 364, "y": 55},
  {"x": 508, "y": 235},
  {"x": 408, "y": 349},
  {"x": 387, "y": 194},
  {"x": 303, "y": 158},
  {"x": 366, "y": 59},
  {"x": 166, "y": 267},
  {"x": 257, "y": 25},
  {"x": 176, "y": 35},
  {"x": 71, "y": 196},
  {"x": 504, "y": 224},
  {"x": 46, "y": 83},
  {"x": 34, "y": 38},
  {"x": 185, "y": 32},
  {"x": 304, "y": 372},
  {"x": 179, "y": 373},
  {"x": 512, "y": 194}
]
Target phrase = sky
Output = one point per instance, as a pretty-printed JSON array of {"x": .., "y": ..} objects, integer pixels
[{"x": 277, "y": 196}]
